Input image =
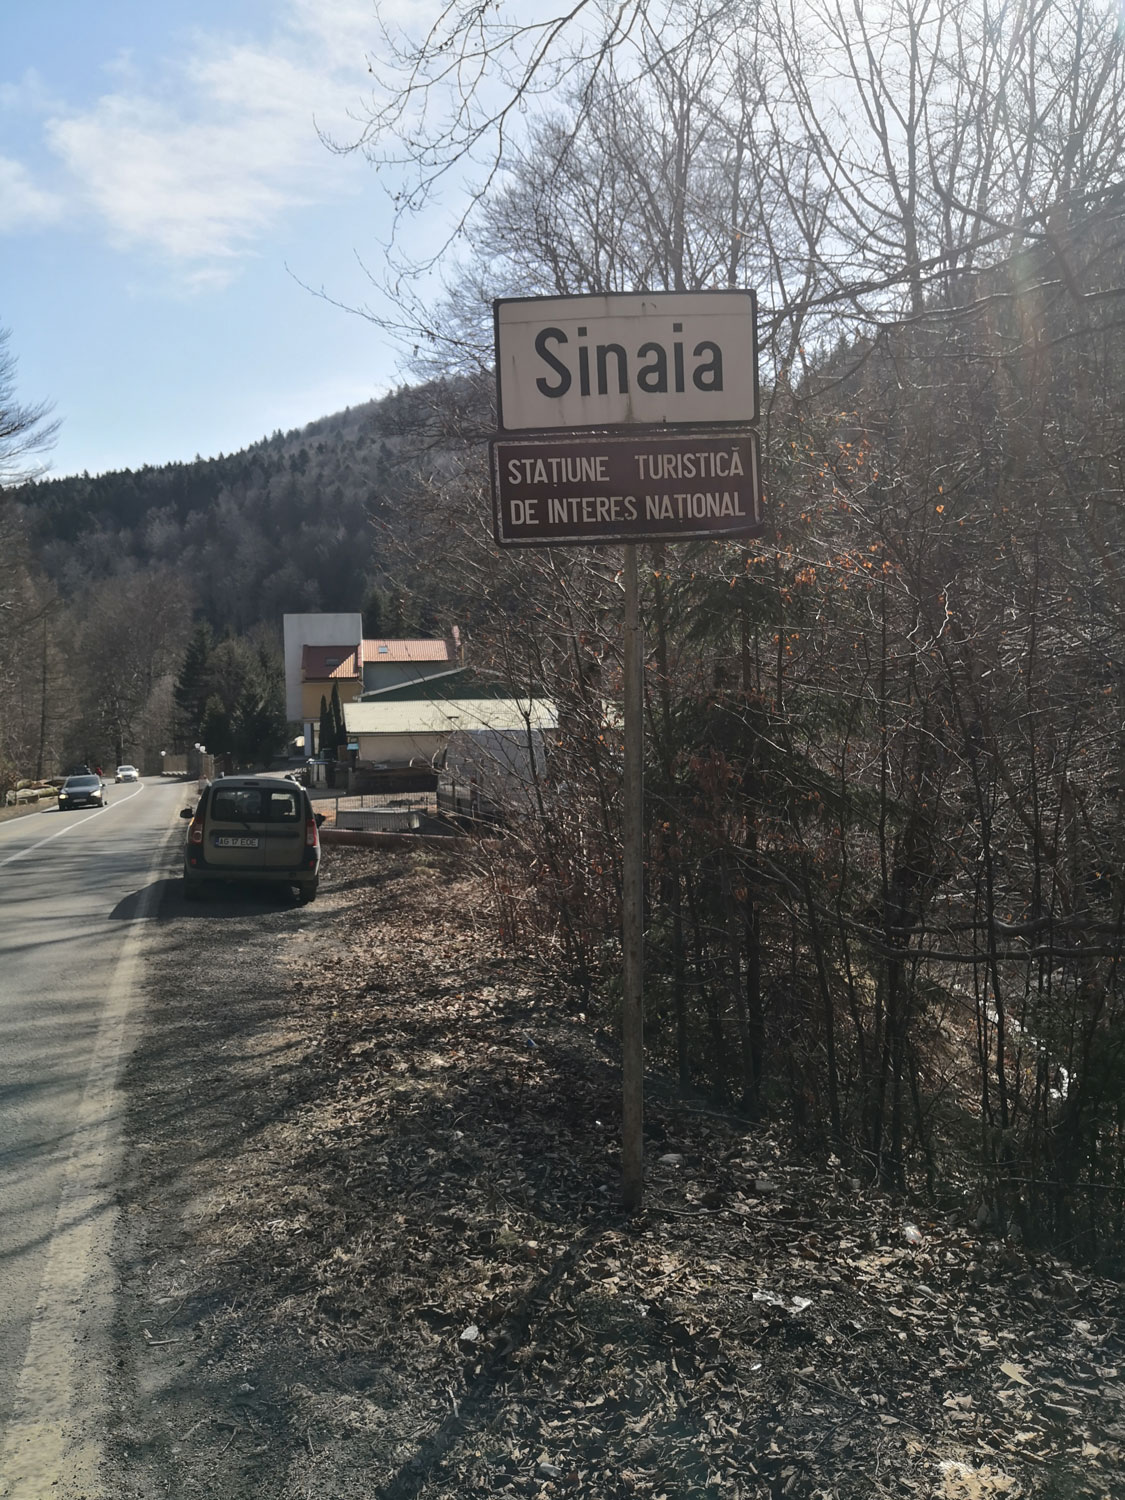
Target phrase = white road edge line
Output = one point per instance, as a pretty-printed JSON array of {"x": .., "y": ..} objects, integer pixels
[
  {"x": 54, "y": 1442},
  {"x": 77, "y": 823}
]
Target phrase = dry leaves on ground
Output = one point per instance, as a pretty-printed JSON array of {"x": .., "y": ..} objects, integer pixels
[{"x": 432, "y": 1240}]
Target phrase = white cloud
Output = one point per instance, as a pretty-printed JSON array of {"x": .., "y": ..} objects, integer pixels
[
  {"x": 340, "y": 33},
  {"x": 27, "y": 97},
  {"x": 193, "y": 190},
  {"x": 201, "y": 166},
  {"x": 22, "y": 204}
]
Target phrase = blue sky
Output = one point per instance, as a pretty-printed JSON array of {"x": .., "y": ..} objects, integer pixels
[{"x": 163, "y": 193}]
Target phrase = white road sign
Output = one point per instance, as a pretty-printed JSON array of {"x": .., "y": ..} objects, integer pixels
[{"x": 626, "y": 359}]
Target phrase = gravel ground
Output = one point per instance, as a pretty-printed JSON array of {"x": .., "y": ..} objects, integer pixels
[{"x": 369, "y": 1247}]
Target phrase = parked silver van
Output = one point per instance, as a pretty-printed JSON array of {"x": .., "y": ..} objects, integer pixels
[{"x": 251, "y": 829}]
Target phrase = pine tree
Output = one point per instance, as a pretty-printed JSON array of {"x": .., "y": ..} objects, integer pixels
[
  {"x": 326, "y": 739},
  {"x": 215, "y": 728},
  {"x": 339, "y": 732},
  {"x": 192, "y": 686},
  {"x": 374, "y": 613}
]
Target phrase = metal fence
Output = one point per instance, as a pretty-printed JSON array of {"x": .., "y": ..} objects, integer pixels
[{"x": 381, "y": 812}]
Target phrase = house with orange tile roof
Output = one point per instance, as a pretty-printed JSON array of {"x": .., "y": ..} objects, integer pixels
[
  {"x": 316, "y": 661},
  {"x": 390, "y": 665}
]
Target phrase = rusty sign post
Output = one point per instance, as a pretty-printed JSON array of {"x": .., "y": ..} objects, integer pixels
[
  {"x": 633, "y": 901},
  {"x": 627, "y": 418}
]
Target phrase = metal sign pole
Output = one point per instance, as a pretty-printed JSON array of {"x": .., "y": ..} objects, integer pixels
[{"x": 632, "y": 905}]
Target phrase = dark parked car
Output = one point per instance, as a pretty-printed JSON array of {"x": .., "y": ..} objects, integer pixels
[
  {"x": 251, "y": 829},
  {"x": 82, "y": 791}
]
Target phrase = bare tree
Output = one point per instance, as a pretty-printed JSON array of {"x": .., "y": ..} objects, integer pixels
[
  {"x": 24, "y": 647},
  {"x": 24, "y": 430},
  {"x": 884, "y": 847},
  {"x": 128, "y": 635}
]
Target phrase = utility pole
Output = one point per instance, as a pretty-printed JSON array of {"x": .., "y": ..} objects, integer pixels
[{"x": 42, "y": 708}]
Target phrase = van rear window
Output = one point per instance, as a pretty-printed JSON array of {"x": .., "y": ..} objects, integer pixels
[{"x": 252, "y": 804}]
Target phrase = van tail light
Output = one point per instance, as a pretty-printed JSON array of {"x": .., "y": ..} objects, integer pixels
[
  {"x": 312, "y": 837},
  {"x": 195, "y": 831}
]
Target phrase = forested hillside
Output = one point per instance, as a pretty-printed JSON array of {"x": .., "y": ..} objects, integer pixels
[
  {"x": 280, "y": 526},
  {"x": 120, "y": 571}
]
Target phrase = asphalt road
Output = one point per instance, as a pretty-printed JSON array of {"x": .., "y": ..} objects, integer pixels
[{"x": 77, "y": 889}]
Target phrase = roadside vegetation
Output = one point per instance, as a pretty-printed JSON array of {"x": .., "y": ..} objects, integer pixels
[
  {"x": 371, "y": 1245},
  {"x": 886, "y": 746},
  {"x": 884, "y": 844}
]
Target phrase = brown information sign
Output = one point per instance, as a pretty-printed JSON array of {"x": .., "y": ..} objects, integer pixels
[{"x": 673, "y": 485}]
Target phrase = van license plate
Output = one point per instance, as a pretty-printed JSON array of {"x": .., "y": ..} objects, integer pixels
[{"x": 229, "y": 841}]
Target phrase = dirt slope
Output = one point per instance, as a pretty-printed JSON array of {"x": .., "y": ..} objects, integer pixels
[{"x": 370, "y": 1247}]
